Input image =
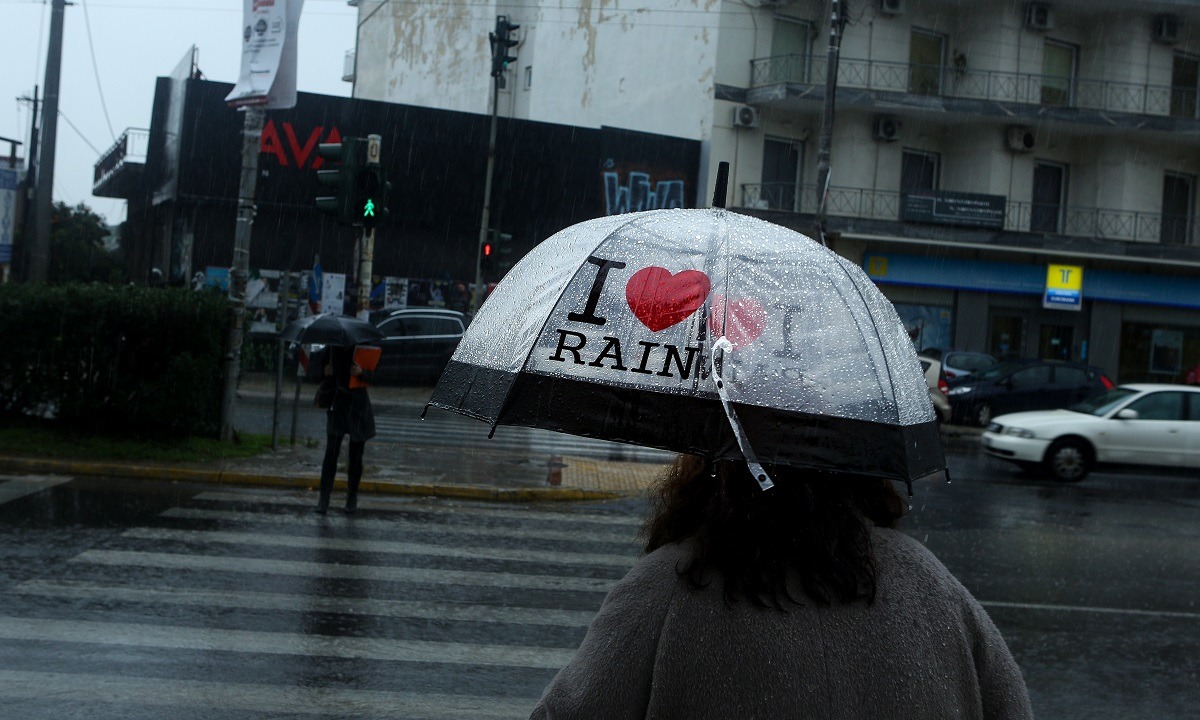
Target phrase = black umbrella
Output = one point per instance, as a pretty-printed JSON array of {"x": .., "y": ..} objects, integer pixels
[{"x": 331, "y": 329}]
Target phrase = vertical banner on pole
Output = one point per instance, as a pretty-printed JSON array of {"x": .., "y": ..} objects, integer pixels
[
  {"x": 8, "y": 213},
  {"x": 268, "y": 73}
]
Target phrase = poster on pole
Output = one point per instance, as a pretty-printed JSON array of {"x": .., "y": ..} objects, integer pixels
[
  {"x": 333, "y": 292},
  {"x": 8, "y": 213},
  {"x": 268, "y": 73}
]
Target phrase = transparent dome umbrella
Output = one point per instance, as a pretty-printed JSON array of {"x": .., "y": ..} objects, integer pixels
[
  {"x": 331, "y": 329},
  {"x": 705, "y": 332}
]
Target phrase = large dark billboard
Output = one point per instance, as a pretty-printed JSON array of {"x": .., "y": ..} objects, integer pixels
[{"x": 546, "y": 177}]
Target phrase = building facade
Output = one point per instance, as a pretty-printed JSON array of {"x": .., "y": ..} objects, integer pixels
[{"x": 1019, "y": 177}]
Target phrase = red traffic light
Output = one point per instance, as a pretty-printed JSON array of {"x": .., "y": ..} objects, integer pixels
[{"x": 487, "y": 249}]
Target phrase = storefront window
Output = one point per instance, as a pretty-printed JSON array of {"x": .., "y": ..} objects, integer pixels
[
  {"x": 929, "y": 326},
  {"x": 1158, "y": 354}
]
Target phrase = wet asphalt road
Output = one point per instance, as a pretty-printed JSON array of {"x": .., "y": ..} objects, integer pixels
[{"x": 134, "y": 599}]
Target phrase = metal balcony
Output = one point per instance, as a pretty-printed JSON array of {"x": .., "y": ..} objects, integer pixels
[
  {"x": 348, "y": 66},
  {"x": 118, "y": 173},
  {"x": 967, "y": 84},
  {"x": 1024, "y": 217}
]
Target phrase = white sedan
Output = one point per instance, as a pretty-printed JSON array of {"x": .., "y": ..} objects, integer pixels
[{"x": 1136, "y": 424}]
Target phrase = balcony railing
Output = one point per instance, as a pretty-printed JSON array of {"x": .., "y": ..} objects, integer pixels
[
  {"x": 1073, "y": 221},
  {"x": 131, "y": 147},
  {"x": 970, "y": 84}
]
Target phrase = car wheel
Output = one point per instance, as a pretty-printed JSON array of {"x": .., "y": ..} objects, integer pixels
[
  {"x": 983, "y": 415},
  {"x": 1069, "y": 460}
]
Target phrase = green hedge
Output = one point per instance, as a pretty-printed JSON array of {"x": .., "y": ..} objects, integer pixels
[{"x": 142, "y": 362}]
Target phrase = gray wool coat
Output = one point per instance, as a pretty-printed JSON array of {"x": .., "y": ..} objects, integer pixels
[{"x": 660, "y": 649}]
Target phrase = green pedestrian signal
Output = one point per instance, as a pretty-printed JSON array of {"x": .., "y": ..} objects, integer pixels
[
  {"x": 369, "y": 208},
  {"x": 372, "y": 190}
]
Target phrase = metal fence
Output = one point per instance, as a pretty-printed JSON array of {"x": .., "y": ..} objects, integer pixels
[
  {"x": 1072, "y": 221},
  {"x": 947, "y": 81}
]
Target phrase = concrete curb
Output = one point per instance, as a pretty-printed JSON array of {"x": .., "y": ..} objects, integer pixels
[{"x": 224, "y": 477}]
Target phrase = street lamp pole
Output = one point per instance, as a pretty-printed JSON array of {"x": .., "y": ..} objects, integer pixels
[{"x": 837, "y": 14}]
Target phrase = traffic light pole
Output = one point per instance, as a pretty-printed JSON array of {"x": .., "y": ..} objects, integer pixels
[
  {"x": 477, "y": 296},
  {"x": 252, "y": 126},
  {"x": 366, "y": 256}
]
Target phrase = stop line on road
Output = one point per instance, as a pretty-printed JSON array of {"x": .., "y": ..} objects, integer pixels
[{"x": 395, "y": 612}]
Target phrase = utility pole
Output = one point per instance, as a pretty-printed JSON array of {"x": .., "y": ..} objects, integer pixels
[
  {"x": 500, "y": 42},
  {"x": 39, "y": 245},
  {"x": 252, "y": 126},
  {"x": 837, "y": 14}
]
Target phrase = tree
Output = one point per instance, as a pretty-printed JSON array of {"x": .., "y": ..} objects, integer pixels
[{"x": 77, "y": 252}]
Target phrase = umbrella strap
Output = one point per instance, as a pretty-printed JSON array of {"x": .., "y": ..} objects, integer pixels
[{"x": 720, "y": 348}]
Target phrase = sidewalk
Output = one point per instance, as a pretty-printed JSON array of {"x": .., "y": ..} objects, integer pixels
[{"x": 397, "y": 468}]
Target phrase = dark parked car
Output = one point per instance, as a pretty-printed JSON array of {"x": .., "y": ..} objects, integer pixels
[
  {"x": 417, "y": 344},
  {"x": 1017, "y": 385}
]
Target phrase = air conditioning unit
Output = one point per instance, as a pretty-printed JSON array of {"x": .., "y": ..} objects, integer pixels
[
  {"x": 887, "y": 129},
  {"x": 745, "y": 116},
  {"x": 1020, "y": 139},
  {"x": 891, "y": 7},
  {"x": 1038, "y": 16},
  {"x": 1166, "y": 29}
]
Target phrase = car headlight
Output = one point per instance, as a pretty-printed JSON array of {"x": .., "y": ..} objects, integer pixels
[
  {"x": 960, "y": 390},
  {"x": 1018, "y": 432}
]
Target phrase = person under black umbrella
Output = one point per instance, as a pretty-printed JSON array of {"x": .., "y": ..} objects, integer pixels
[{"x": 350, "y": 414}]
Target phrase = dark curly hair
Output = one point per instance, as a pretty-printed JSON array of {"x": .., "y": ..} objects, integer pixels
[{"x": 814, "y": 525}]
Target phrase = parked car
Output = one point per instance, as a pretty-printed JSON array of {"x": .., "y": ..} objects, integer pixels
[
  {"x": 937, "y": 387},
  {"x": 959, "y": 364},
  {"x": 417, "y": 344},
  {"x": 1135, "y": 424},
  {"x": 1028, "y": 384}
]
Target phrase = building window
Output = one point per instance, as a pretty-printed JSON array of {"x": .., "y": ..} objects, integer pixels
[
  {"x": 789, "y": 51},
  {"x": 1058, "y": 73},
  {"x": 1049, "y": 197},
  {"x": 782, "y": 160},
  {"x": 926, "y": 62},
  {"x": 1185, "y": 79},
  {"x": 1179, "y": 192},
  {"x": 528, "y": 76},
  {"x": 919, "y": 170}
]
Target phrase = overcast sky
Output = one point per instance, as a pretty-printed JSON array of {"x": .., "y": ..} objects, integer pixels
[{"x": 136, "y": 41}]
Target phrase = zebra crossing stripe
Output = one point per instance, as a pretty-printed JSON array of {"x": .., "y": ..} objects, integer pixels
[
  {"x": 13, "y": 487},
  {"x": 247, "y": 600},
  {"x": 225, "y": 697},
  {"x": 381, "y": 546},
  {"x": 385, "y": 503},
  {"x": 179, "y": 637},
  {"x": 257, "y": 566},
  {"x": 525, "y": 531}
]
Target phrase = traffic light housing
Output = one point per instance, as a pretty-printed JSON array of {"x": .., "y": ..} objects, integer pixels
[
  {"x": 487, "y": 259},
  {"x": 501, "y": 41},
  {"x": 371, "y": 196},
  {"x": 349, "y": 155},
  {"x": 495, "y": 254}
]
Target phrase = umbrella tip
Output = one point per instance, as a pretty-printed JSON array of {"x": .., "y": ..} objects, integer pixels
[{"x": 722, "y": 185}]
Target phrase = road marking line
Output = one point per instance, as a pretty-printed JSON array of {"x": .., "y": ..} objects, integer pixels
[
  {"x": 1091, "y": 609},
  {"x": 18, "y": 486},
  {"x": 384, "y": 546},
  {"x": 392, "y": 525},
  {"x": 375, "y": 573},
  {"x": 225, "y": 697},
  {"x": 401, "y": 609},
  {"x": 393, "y": 504}
]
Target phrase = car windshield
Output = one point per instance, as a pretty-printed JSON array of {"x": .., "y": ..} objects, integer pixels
[{"x": 1104, "y": 402}]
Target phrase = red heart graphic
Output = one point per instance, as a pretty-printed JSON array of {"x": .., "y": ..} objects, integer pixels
[
  {"x": 746, "y": 317},
  {"x": 660, "y": 299}
]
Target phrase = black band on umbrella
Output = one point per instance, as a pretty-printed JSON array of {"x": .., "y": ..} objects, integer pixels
[{"x": 683, "y": 423}]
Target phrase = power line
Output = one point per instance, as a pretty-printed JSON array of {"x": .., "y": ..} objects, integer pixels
[
  {"x": 63, "y": 115},
  {"x": 87, "y": 23}
]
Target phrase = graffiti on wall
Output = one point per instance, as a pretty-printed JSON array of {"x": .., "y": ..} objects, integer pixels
[{"x": 640, "y": 193}]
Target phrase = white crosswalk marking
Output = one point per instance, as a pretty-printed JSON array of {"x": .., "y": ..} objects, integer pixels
[
  {"x": 13, "y": 487},
  {"x": 236, "y": 602},
  {"x": 91, "y": 688},
  {"x": 444, "y": 430}
]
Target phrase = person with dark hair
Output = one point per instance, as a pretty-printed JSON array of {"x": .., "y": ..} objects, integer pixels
[
  {"x": 802, "y": 601},
  {"x": 349, "y": 414}
]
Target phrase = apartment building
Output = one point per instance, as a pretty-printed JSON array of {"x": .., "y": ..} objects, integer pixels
[{"x": 1018, "y": 177}]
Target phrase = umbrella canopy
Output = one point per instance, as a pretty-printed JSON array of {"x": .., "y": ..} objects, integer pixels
[
  {"x": 620, "y": 327},
  {"x": 331, "y": 329}
]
